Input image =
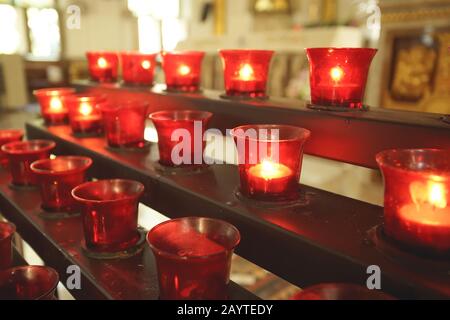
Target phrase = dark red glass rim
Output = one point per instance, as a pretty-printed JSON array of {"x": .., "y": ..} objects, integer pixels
[
  {"x": 11, "y": 133},
  {"x": 85, "y": 98},
  {"x": 138, "y": 54},
  {"x": 79, "y": 189},
  {"x": 246, "y": 51},
  {"x": 287, "y": 132},
  {"x": 103, "y": 53},
  {"x": 13, "y": 274},
  {"x": 50, "y": 92},
  {"x": 180, "y": 115},
  {"x": 83, "y": 163},
  {"x": 183, "y": 53},
  {"x": 22, "y": 147},
  {"x": 109, "y": 106},
  {"x": 391, "y": 159},
  {"x": 210, "y": 220},
  {"x": 7, "y": 229},
  {"x": 354, "y": 50}
]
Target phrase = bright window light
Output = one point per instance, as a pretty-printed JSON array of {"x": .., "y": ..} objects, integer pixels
[
  {"x": 9, "y": 30},
  {"x": 44, "y": 33}
]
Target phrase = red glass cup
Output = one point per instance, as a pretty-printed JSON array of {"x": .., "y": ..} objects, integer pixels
[
  {"x": 103, "y": 65},
  {"x": 183, "y": 70},
  {"x": 338, "y": 76},
  {"x": 124, "y": 123},
  {"x": 246, "y": 72},
  {"x": 110, "y": 214},
  {"x": 28, "y": 283},
  {"x": 187, "y": 126},
  {"x": 138, "y": 68},
  {"x": 56, "y": 179},
  {"x": 7, "y": 136},
  {"x": 84, "y": 113},
  {"x": 270, "y": 160},
  {"x": 417, "y": 198},
  {"x": 193, "y": 257},
  {"x": 53, "y": 109},
  {"x": 7, "y": 231},
  {"x": 21, "y": 155},
  {"x": 341, "y": 291}
]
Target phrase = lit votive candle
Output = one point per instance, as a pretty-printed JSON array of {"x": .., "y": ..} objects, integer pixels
[
  {"x": 84, "y": 113},
  {"x": 417, "y": 198},
  {"x": 183, "y": 70},
  {"x": 338, "y": 76},
  {"x": 138, "y": 68},
  {"x": 53, "y": 109},
  {"x": 103, "y": 65}
]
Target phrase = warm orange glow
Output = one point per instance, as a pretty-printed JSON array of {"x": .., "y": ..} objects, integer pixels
[
  {"x": 146, "y": 64},
  {"x": 269, "y": 170},
  {"x": 246, "y": 72},
  {"x": 432, "y": 193},
  {"x": 56, "y": 104},
  {"x": 85, "y": 109},
  {"x": 184, "y": 70},
  {"x": 102, "y": 63},
  {"x": 336, "y": 73}
]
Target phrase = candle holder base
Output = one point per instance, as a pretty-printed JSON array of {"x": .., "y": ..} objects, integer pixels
[
  {"x": 172, "y": 90},
  {"x": 180, "y": 170},
  {"x": 336, "y": 108},
  {"x": 124, "y": 254},
  {"x": 145, "y": 148},
  {"x": 303, "y": 199},
  {"x": 46, "y": 214},
  {"x": 125, "y": 84},
  {"x": 82, "y": 135},
  {"x": 17, "y": 187},
  {"x": 411, "y": 257},
  {"x": 243, "y": 97}
]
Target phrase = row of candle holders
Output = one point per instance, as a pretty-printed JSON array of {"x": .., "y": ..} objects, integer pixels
[{"x": 338, "y": 76}]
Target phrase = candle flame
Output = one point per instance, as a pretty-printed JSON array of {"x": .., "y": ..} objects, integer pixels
[
  {"x": 56, "y": 104},
  {"x": 102, "y": 63},
  {"x": 432, "y": 192},
  {"x": 246, "y": 72},
  {"x": 336, "y": 73},
  {"x": 85, "y": 109},
  {"x": 271, "y": 170},
  {"x": 146, "y": 64},
  {"x": 184, "y": 70}
]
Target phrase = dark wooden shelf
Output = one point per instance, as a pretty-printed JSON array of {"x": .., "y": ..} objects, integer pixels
[
  {"x": 57, "y": 242},
  {"x": 354, "y": 137},
  {"x": 324, "y": 241}
]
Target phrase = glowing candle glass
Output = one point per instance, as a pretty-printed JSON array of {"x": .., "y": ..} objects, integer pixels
[
  {"x": 340, "y": 291},
  {"x": 103, "y": 66},
  {"x": 109, "y": 213},
  {"x": 84, "y": 113},
  {"x": 7, "y": 231},
  {"x": 270, "y": 160},
  {"x": 138, "y": 68},
  {"x": 338, "y": 76},
  {"x": 124, "y": 123},
  {"x": 417, "y": 198},
  {"x": 246, "y": 72},
  {"x": 7, "y": 136},
  {"x": 56, "y": 179},
  {"x": 21, "y": 155},
  {"x": 28, "y": 283},
  {"x": 53, "y": 109},
  {"x": 191, "y": 122},
  {"x": 193, "y": 257},
  {"x": 183, "y": 70}
]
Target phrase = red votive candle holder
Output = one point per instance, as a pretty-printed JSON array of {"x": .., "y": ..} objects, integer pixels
[
  {"x": 7, "y": 136},
  {"x": 84, "y": 114},
  {"x": 193, "y": 257},
  {"x": 180, "y": 136},
  {"x": 28, "y": 283},
  {"x": 340, "y": 291},
  {"x": 246, "y": 72},
  {"x": 270, "y": 159},
  {"x": 53, "y": 108},
  {"x": 338, "y": 76},
  {"x": 109, "y": 213},
  {"x": 138, "y": 68},
  {"x": 56, "y": 179},
  {"x": 21, "y": 155},
  {"x": 7, "y": 231},
  {"x": 183, "y": 70},
  {"x": 417, "y": 198},
  {"x": 124, "y": 123},
  {"x": 103, "y": 66}
]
